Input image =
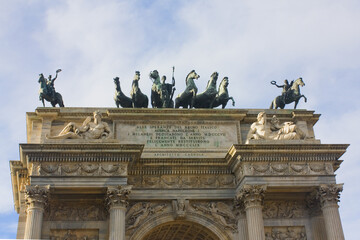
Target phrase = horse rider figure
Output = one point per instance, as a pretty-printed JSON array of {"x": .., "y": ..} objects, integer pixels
[
  {"x": 286, "y": 88},
  {"x": 50, "y": 84}
]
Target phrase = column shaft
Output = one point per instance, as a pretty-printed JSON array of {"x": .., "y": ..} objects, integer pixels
[
  {"x": 318, "y": 228},
  {"x": 332, "y": 221},
  {"x": 33, "y": 223},
  {"x": 117, "y": 223},
  {"x": 242, "y": 229},
  {"x": 255, "y": 223}
]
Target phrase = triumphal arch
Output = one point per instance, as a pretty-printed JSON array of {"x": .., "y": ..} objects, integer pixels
[{"x": 169, "y": 174}]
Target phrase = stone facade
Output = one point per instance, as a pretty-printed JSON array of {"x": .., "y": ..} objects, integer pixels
[{"x": 165, "y": 173}]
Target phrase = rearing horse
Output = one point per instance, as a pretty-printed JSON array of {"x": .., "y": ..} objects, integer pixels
[
  {"x": 293, "y": 95},
  {"x": 222, "y": 97},
  {"x": 44, "y": 93},
  {"x": 186, "y": 98},
  {"x": 204, "y": 99},
  {"x": 120, "y": 98}
]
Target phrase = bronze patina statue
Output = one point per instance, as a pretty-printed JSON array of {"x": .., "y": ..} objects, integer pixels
[
  {"x": 167, "y": 92},
  {"x": 156, "y": 100},
  {"x": 47, "y": 90},
  {"x": 139, "y": 100},
  {"x": 161, "y": 92},
  {"x": 206, "y": 98},
  {"x": 186, "y": 98},
  {"x": 120, "y": 98},
  {"x": 89, "y": 130},
  {"x": 222, "y": 97},
  {"x": 291, "y": 93}
]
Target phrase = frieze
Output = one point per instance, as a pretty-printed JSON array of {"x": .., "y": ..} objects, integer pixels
[
  {"x": 78, "y": 169},
  {"x": 182, "y": 181},
  {"x": 75, "y": 211},
  {"x": 285, "y": 209},
  {"x": 74, "y": 234},
  {"x": 219, "y": 212},
  {"x": 285, "y": 233},
  {"x": 281, "y": 168}
]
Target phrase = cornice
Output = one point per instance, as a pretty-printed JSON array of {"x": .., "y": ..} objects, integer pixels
[{"x": 80, "y": 152}]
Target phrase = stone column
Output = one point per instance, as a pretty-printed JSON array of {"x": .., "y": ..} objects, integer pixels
[
  {"x": 317, "y": 221},
  {"x": 329, "y": 196},
  {"x": 36, "y": 199},
  {"x": 117, "y": 200},
  {"x": 251, "y": 198}
]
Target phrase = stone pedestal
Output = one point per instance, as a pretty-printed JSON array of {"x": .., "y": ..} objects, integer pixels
[
  {"x": 36, "y": 199},
  {"x": 117, "y": 198},
  {"x": 252, "y": 197},
  {"x": 329, "y": 197}
]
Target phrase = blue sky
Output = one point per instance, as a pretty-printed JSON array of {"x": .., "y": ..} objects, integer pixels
[{"x": 251, "y": 42}]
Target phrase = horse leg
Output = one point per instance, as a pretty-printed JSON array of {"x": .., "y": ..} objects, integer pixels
[
  {"x": 233, "y": 101},
  {"x": 192, "y": 99},
  {"x": 272, "y": 105},
  {"x": 43, "y": 102},
  {"x": 296, "y": 103}
]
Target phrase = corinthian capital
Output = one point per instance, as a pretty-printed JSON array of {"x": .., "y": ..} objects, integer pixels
[
  {"x": 118, "y": 196},
  {"x": 329, "y": 194},
  {"x": 36, "y": 196},
  {"x": 250, "y": 196}
]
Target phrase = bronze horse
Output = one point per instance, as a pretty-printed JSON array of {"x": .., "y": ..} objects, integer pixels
[
  {"x": 222, "y": 97},
  {"x": 186, "y": 98},
  {"x": 292, "y": 95},
  {"x": 46, "y": 94},
  {"x": 139, "y": 100},
  {"x": 156, "y": 101},
  {"x": 120, "y": 98},
  {"x": 206, "y": 98}
]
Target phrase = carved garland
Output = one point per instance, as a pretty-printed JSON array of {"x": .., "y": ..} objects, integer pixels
[{"x": 78, "y": 169}]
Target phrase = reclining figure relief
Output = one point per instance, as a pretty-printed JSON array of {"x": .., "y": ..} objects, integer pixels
[
  {"x": 88, "y": 130},
  {"x": 274, "y": 130}
]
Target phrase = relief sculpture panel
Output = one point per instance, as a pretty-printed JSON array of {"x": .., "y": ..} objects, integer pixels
[
  {"x": 285, "y": 209},
  {"x": 74, "y": 234},
  {"x": 285, "y": 233}
]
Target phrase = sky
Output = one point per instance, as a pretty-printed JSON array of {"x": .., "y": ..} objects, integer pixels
[{"x": 250, "y": 42}]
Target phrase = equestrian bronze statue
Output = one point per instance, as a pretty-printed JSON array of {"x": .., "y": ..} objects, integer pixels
[
  {"x": 206, "y": 98},
  {"x": 186, "y": 98},
  {"x": 291, "y": 93},
  {"x": 139, "y": 100},
  {"x": 222, "y": 96},
  {"x": 120, "y": 98},
  {"x": 47, "y": 90}
]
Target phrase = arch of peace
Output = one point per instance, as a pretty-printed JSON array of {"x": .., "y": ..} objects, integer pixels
[{"x": 169, "y": 174}]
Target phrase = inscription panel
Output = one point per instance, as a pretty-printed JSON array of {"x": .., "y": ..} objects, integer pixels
[{"x": 184, "y": 139}]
